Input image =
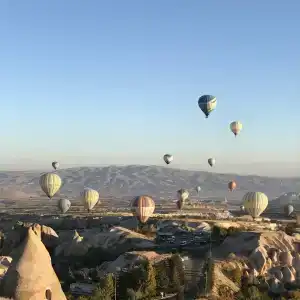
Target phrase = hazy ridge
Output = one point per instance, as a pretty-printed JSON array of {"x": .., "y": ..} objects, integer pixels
[{"x": 127, "y": 181}]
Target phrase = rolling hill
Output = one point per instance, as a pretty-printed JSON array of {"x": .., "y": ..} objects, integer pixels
[{"x": 127, "y": 181}]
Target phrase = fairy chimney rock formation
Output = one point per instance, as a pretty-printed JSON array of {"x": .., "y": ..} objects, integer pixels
[{"x": 30, "y": 275}]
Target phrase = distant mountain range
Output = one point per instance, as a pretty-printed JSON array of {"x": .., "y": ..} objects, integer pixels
[{"x": 160, "y": 182}]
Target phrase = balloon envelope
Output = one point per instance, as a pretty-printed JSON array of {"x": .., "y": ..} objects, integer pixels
[
  {"x": 50, "y": 184},
  {"x": 236, "y": 127},
  {"x": 255, "y": 203},
  {"x": 211, "y": 161},
  {"x": 55, "y": 165},
  {"x": 64, "y": 205},
  {"x": 232, "y": 185},
  {"x": 90, "y": 198},
  {"x": 182, "y": 195},
  {"x": 198, "y": 189},
  {"x": 288, "y": 209},
  {"x": 207, "y": 104},
  {"x": 143, "y": 207},
  {"x": 168, "y": 158}
]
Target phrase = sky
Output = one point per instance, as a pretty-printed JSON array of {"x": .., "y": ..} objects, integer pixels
[{"x": 117, "y": 82}]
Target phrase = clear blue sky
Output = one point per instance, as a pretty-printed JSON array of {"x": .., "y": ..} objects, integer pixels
[{"x": 118, "y": 81}]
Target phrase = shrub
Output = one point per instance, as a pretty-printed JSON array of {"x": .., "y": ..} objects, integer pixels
[
  {"x": 162, "y": 278},
  {"x": 237, "y": 276},
  {"x": 226, "y": 293},
  {"x": 253, "y": 293},
  {"x": 289, "y": 229},
  {"x": 233, "y": 230},
  {"x": 106, "y": 288},
  {"x": 219, "y": 233},
  {"x": 149, "y": 288},
  {"x": 295, "y": 295}
]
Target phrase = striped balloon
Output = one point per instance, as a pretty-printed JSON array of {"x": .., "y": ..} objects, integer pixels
[
  {"x": 89, "y": 198},
  {"x": 236, "y": 127},
  {"x": 143, "y": 207},
  {"x": 255, "y": 203},
  {"x": 50, "y": 184}
]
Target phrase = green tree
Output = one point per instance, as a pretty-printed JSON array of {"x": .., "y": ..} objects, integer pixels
[
  {"x": 106, "y": 289},
  {"x": 150, "y": 282},
  {"x": 176, "y": 273},
  {"x": 162, "y": 278}
]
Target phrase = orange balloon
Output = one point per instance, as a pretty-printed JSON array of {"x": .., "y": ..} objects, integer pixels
[{"x": 232, "y": 185}]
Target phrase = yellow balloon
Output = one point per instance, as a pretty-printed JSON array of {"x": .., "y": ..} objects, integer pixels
[
  {"x": 255, "y": 203},
  {"x": 90, "y": 198},
  {"x": 50, "y": 184}
]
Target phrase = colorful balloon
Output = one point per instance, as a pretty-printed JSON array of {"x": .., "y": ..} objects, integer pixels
[
  {"x": 50, "y": 184},
  {"x": 236, "y": 127},
  {"x": 143, "y": 207},
  {"x": 207, "y": 104},
  {"x": 232, "y": 185}
]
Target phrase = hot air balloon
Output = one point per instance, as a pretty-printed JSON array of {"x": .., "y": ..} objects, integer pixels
[
  {"x": 232, "y": 185},
  {"x": 55, "y": 165},
  {"x": 90, "y": 198},
  {"x": 288, "y": 209},
  {"x": 255, "y": 203},
  {"x": 236, "y": 127},
  {"x": 64, "y": 205},
  {"x": 207, "y": 104},
  {"x": 182, "y": 195},
  {"x": 198, "y": 189},
  {"x": 211, "y": 161},
  {"x": 143, "y": 207},
  {"x": 50, "y": 184},
  {"x": 168, "y": 158},
  {"x": 242, "y": 208},
  {"x": 180, "y": 204}
]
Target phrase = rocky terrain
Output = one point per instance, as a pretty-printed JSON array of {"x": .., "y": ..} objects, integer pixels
[
  {"x": 116, "y": 183},
  {"x": 35, "y": 260},
  {"x": 270, "y": 260},
  {"x": 70, "y": 252}
]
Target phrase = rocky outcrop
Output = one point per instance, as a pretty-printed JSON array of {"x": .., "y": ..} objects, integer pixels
[
  {"x": 269, "y": 255},
  {"x": 244, "y": 243},
  {"x": 13, "y": 238},
  {"x": 115, "y": 240},
  {"x": 30, "y": 275}
]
